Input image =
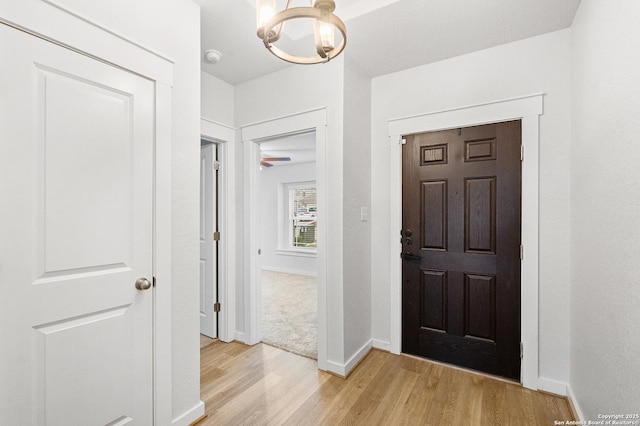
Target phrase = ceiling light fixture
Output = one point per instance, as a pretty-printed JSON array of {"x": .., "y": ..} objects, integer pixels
[{"x": 325, "y": 23}]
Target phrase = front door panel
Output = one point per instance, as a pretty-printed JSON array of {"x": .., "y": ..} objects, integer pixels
[
  {"x": 461, "y": 245},
  {"x": 76, "y": 161}
]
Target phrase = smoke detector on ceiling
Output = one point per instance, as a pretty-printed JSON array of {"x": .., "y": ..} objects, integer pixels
[{"x": 213, "y": 56}]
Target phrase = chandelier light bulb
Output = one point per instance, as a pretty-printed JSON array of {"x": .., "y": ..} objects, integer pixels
[
  {"x": 266, "y": 12},
  {"x": 327, "y": 36}
]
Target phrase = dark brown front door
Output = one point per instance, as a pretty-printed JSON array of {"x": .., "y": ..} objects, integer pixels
[{"x": 461, "y": 247}]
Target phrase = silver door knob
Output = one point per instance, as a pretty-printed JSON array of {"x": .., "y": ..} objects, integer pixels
[{"x": 143, "y": 284}]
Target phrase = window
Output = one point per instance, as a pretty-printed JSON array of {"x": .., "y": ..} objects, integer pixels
[{"x": 302, "y": 220}]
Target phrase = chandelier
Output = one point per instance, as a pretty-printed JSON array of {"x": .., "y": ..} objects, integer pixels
[{"x": 325, "y": 23}]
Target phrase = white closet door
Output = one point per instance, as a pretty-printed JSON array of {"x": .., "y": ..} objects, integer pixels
[
  {"x": 208, "y": 247},
  {"x": 76, "y": 163}
]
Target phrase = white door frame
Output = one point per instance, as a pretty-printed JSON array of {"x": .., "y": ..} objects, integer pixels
[
  {"x": 224, "y": 136},
  {"x": 162, "y": 257},
  {"x": 88, "y": 38},
  {"x": 312, "y": 120},
  {"x": 528, "y": 109}
]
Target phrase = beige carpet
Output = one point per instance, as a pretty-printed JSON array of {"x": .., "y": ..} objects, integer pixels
[
  {"x": 289, "y": 312},
  {"x": 205, "y": 340}
]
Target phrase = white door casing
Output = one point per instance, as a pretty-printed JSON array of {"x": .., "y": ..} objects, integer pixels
[
  {"x": 208, "y": 247},
  {"x": 76, "y": 156},
  {"x": 224, "y": 138},
  {"x": 525, "y": 108},
  {"x": 311, "y": 120}
]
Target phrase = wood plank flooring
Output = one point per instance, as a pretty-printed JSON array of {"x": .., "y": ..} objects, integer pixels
[{"x": 262, "y": 385}]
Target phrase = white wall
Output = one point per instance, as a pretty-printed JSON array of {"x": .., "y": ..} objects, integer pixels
[
  {"x": 299, "y": 89},
  {"x": 605, "y": 230},
  {"x": 216, "y": 103},
  {"x": 273, "y": 207},
  {"x": 182, "y": 34},
  {"x": 357, "y": 194},
  {"x": 290, "y": 91},
  {"x": 535, "y": 65}
]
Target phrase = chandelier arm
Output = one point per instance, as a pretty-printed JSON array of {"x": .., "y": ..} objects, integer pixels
[
  {"x": 277, "y": 37},
  {"x": 301, "y": 60}
]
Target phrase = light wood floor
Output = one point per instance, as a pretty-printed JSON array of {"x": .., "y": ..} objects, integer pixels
[{"x": 262, "y": 385}]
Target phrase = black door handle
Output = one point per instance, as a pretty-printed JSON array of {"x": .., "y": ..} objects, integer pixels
[{"x": 410, "y": 256}]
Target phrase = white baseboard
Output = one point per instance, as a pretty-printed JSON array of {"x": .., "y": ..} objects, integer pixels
[
  {"x": 336, "y": 368},
  {"x": 240, "y": 337},
  {"x": 227, "y": 339},
  {"x": 344, "y": 369},
  {"x": 190, "y": 416},
  {"x": 290, "y": 271},
  {"x": 552, "y": 386},
  {"x": 574, "y": 403},
  {"x": 358, "y": 356},
  {"x": 382, "y": 345}
]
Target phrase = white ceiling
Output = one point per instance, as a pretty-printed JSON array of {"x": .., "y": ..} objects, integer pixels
[{"x": 383, "y": 36}]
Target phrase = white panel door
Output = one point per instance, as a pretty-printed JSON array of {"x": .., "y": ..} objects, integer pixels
[
  {"x": 208, "y": 247},
  {"x": 76, "y": 222}
]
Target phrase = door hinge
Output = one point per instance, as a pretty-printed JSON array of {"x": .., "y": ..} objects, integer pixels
[
  {"x": 216, "y": 165},
  {"x": 521, "y": 252},
  {"x": 521, "y": 152},
  {"x": 402, "y": 141},
  {"x": 521, "y": 350},
  {"x": 216, "y": 307},
  {"x": 216, "y": 236}
]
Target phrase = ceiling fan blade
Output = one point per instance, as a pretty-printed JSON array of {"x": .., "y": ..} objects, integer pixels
[
  {"x": 265, "y": 164},
  {"x": 276, "y": 159}
]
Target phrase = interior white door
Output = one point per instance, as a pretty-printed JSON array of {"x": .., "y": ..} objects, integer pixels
[
  {"x": 76, "y": 223},
  {"x": 208, "y": 247}
]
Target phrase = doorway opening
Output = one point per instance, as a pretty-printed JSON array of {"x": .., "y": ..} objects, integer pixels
[
  {"x": 311, "y": 121},
  {"x": 218, "y": 228},
  {"x": 288, "y": 227},
  {"x": 209, "y": 239}
]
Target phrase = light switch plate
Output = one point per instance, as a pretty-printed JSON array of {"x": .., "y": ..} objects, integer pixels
[{"x": 364, "y": 214}]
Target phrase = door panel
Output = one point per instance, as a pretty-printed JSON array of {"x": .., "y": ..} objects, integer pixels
[
  {"x": 76, "y": 159},
  {"x": 461, "y": 245},
  {"x": 208, "y": 247},
  {"x": 434, "y": 214},
  {"x": 62, "y": 378},
  {"x": 90, "y": 163},
  {"x": 480, "y": 215}
]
